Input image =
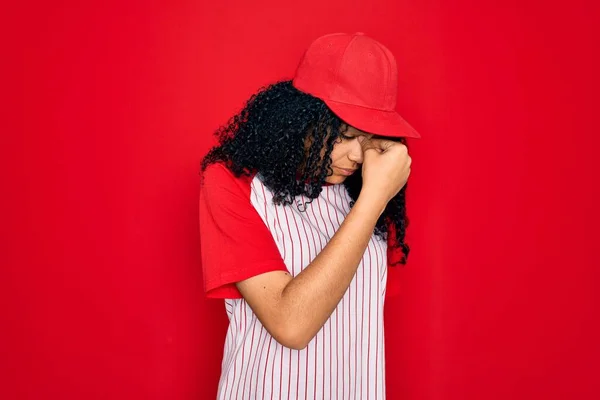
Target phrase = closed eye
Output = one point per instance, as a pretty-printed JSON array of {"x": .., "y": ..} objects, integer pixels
[{"x": 347, "y": 137}]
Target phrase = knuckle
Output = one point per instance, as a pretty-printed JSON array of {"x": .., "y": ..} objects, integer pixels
[{"x": 402, "y": 148}]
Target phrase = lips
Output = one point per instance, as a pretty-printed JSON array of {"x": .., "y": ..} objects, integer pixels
[{"x": 347, "y": 171}]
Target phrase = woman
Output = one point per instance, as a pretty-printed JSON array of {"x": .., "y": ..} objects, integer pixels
[{"x": 302, "y": 210}]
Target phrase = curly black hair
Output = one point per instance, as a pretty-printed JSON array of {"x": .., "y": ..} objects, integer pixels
[{"x": 269, "y": 136}]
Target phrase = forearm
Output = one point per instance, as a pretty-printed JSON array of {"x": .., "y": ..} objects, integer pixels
[{"x": 308, "y": 299}]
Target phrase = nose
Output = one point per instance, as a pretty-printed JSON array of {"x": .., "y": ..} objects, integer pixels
[{"x": 355, "y": 153}]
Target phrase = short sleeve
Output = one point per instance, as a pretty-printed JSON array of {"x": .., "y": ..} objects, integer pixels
[
  {"x": 235, "y": 243},
  {"x": 394, "y": 255}
]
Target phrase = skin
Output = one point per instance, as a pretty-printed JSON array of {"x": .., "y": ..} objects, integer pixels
[
  {"x": 293, "y": 309},
  {"x": 347, "y": 155}
]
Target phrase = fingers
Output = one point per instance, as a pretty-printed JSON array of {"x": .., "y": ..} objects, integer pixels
[
  {"x": 366, "y": 144},
  {"x": 381, "y": 145}
]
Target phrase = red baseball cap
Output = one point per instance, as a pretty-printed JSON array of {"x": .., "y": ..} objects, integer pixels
[{"x": 357, "y": 78}]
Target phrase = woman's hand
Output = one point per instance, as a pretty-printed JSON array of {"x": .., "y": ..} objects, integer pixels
[{"x": 385, "y": 169}]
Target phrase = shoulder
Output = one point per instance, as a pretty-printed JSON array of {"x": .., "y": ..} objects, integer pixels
[{"x": 218, "y": 175}]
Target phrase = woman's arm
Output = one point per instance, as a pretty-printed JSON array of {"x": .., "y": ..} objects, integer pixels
[{"x": 293, "y": 309}]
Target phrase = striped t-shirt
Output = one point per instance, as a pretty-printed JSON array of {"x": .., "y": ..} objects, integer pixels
[{"x": 244, "y": 234}]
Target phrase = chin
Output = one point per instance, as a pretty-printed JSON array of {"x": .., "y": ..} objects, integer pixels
[{"x": 335, "y": 179}]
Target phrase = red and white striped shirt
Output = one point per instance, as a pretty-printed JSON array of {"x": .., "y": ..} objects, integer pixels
[{"x": 244, "y": 234}]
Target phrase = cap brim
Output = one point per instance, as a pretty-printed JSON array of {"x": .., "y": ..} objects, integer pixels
[{"x": 377, "y": 122}]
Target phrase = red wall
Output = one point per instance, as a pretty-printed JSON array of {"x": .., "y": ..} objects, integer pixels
[{"x": 111, "y": 105}]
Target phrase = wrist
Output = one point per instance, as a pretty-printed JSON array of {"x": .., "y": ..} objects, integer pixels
[{"x": 370, "y": 204}]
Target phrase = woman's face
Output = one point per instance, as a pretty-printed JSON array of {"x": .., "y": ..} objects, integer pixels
[{"x": 347, "y": 155}]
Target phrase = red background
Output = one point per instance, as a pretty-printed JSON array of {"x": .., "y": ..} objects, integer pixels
[{"x": 110, "y": 106}]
